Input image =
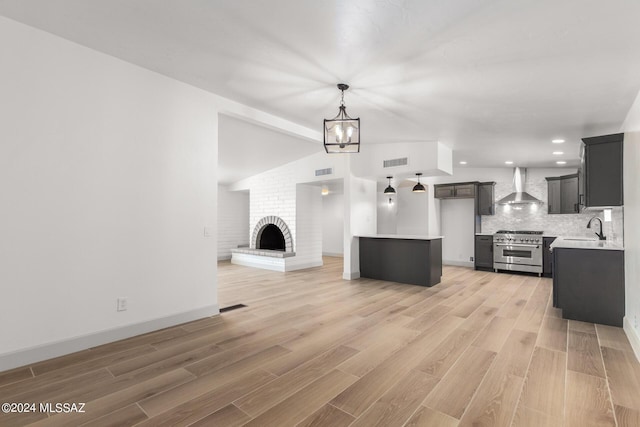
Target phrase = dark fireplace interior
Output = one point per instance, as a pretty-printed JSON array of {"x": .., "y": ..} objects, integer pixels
[{"x": 271, "y": 238}]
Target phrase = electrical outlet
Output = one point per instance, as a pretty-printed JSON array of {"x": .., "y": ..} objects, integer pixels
[
  {"x": 471, "y": 258},
  {"x": 635, "y": 321},
  {"x": 123, "y": 304}
]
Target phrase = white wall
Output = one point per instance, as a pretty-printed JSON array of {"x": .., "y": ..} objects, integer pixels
[
  {"x": 387, "y": 213},
  {"x": 108, "y": 178},
  {"x": 457, "y": 218},
  {"x": 412, "y": 212},
  {"x": 407, "y": 214},
  {"x": 309, "y": 226},
  {"x": 233, "y": 220},
  {"x": 631, "y": 128},
  {"x": 333, "y": 224},
  {"x": 360, "y": 200}
]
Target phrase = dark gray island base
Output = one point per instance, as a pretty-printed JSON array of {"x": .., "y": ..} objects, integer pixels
[
  {"x": 588, "y": 284},
  {"x": 416, "y": 261}
]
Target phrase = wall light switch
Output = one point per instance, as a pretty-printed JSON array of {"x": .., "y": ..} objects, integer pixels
[
  {"x": 208, "y": 232},
  {"x": 123, "y": 304},
  {"x": 607, "y": 215}
]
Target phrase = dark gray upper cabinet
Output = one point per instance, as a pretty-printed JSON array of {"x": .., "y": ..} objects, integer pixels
[
  {"x": 486, "y": 198},
  {"x": 602, "y": 171},
  {"x": 553, "y": 195},
  {"x": 444, "y": 191},
  {"x": 562, "y": 196},
  {"x": 467, "y": 190},
  {"x": 569, "y": 194},
  {"x": 460, "y": 190}
]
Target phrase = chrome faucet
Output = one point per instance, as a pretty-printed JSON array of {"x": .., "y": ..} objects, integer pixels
[{"x": 600, "y": 235}]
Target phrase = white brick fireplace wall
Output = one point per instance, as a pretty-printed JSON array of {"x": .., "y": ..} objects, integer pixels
[{"x": 274, "y": 193}]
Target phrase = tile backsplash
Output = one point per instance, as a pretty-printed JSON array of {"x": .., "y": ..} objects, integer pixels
[{"x": 535, "y": 217}]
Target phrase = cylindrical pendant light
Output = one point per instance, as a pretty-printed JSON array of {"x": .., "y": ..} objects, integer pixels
[
  {"x": 389, "y": 189},
  {"x": 419, "y": 188}
]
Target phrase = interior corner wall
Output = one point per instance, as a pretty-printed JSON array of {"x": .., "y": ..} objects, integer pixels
[
  {"x": 233, "y": 221},
  {"x": 631, "y": 170},
  {"x": 457, "y": 220},
  {"x": 412, "y": 212},
  {"x": 308, "y": 227},
  {"x": 387, "y": 215},
  {"x": 108, "y": 180},
  {"x": 333, "y": 224}
]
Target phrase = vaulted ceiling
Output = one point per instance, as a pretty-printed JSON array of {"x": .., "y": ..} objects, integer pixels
[{"x": 494, "y": 80}]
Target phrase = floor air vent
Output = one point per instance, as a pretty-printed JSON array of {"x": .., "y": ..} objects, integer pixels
[
  {"x": 403, "y": 161},
  {"x": 232, "y": 307},
  {"x": 327, "y": 171}
]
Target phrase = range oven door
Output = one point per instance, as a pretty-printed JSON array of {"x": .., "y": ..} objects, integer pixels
[{"x": 520, "y": 253}]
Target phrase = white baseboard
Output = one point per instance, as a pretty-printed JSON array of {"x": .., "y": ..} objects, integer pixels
[
  {"x": 303, "y": 265},
  {"x": 351, "y": 276},
  {"x": 334, "y": 254},
  {"x": 256, "y": 261},
  {"x": 71, "y": 345},
  {"x": 459, "y": 263},
  {"x": 224, "y": 257},
  {"x": 633, "y": 337}
]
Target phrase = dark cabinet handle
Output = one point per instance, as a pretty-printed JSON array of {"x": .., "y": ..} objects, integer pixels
[{"x": 575, "y": 207}]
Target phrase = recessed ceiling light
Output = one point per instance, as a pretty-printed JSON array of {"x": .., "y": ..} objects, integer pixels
[
  {"x": 561, "y": 162},
  {"x": 463, "y": 162},
  {"x": 508, "y": 162},
  {"x": 558, "y": 153},
  {"x": 557, "y": 141}
]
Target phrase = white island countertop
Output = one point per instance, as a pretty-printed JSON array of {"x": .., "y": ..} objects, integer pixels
[
  {"x": 585, "y": 243},
  {"x": 400, "y": 236}
]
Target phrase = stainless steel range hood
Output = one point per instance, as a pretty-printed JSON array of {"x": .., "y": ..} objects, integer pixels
[{"x": 519, "y": 196}]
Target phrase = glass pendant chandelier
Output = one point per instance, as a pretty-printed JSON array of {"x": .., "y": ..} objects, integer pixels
[
  {"x": 389, "y": 189},
  {"x": 419, "y": 188},
  {"x": 342, "y": 133}
]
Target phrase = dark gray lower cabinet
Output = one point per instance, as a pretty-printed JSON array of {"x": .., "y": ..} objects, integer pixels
[
  {"x": 417, "y": 262},
  {"x": 588, "y": 285},
  {"x": 484, "y": 252},
  {"x": 547, "y": 256}
]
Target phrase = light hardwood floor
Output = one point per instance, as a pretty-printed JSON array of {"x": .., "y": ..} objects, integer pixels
[{"x": 479, "y": 349}]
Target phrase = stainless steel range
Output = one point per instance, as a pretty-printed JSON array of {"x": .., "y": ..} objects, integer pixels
[{"x": 518, "y": 251}]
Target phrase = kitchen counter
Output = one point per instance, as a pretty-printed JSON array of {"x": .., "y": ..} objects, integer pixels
[
  {"x": 585, "y": 243},
  {"x": 412, "y": 259},
  {"x": 400, "y": 236}
]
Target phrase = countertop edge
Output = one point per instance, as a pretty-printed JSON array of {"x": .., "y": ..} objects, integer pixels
[{"x": 399, "y": 236}]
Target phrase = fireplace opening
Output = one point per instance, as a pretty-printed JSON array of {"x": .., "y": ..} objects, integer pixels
[{"x": 271, "y": 238}]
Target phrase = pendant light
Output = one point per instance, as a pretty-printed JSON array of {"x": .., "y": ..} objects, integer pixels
[
  {"x": 419, "y": 188},
  {"x": 342, "y": 133},
  {"x": 389, "y": 189}
]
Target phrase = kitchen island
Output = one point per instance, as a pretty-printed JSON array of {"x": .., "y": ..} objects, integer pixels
[{"x": 412, "y": 259}]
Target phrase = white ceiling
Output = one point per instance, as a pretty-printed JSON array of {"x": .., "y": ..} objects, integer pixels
[
  {"x": 494, "y": 80},
  {"x": 246, "y": 149}
]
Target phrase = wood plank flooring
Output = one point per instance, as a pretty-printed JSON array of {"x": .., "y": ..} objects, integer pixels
[{"x": 310, "y": 349}]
